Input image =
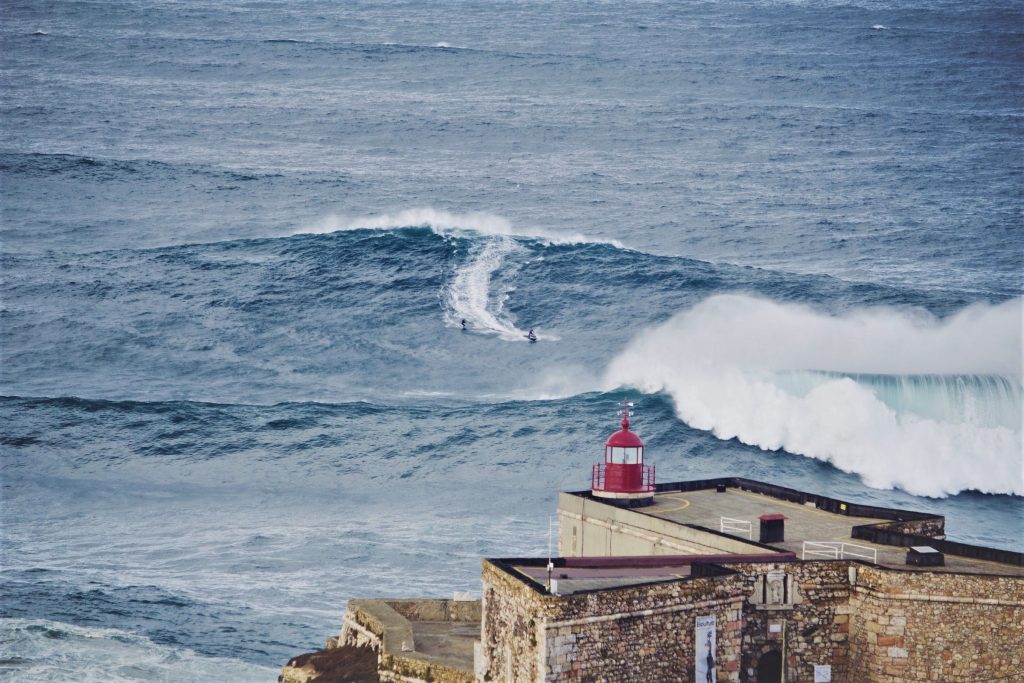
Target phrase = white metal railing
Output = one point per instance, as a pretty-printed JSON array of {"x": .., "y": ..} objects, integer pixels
[
  {"x": 860, "y": 551},
  {"x": 837, "y": 550},
  {"x": 738, "y": 526},
  {"x": 824, "y": 549}
]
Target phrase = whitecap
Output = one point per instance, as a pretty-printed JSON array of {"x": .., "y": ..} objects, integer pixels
[
  {"x": 42, "y": 650},
  {"x": 897, "y": 396},
  {"x": 446, "y": 223}
]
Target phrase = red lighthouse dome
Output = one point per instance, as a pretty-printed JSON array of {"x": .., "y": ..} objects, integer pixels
[{"x": 623, "y": 477}]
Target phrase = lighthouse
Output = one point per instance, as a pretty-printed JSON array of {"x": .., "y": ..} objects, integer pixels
[{"x": 622, "y": 478}]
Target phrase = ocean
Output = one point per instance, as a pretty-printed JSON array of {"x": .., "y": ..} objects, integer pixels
[{"x": 239, "y": 238}]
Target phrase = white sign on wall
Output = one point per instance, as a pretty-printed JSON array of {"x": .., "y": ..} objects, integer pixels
[
  {"x": 706, "y": 653},
  {"x": 822, "y": 673}
]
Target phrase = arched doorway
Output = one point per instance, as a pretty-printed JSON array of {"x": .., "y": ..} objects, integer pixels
[{"x": 769, "y": 667}]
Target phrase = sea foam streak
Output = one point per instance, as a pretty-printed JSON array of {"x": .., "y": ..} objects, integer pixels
[
  {"x": 50, "y": 651},
  {"x": 901, "y": 398}
]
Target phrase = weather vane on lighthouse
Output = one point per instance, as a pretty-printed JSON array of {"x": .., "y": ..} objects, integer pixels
[{"x": 622, "y": 478}]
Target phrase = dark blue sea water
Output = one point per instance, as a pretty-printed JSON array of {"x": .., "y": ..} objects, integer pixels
[{"x": 238, "y": 239}]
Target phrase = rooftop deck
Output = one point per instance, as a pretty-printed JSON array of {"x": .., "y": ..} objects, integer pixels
[
  {"x": 688, "y": 516},
  {"x": 803, "y": 522}
]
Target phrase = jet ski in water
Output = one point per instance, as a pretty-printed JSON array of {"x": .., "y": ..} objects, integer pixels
[{"x": 531, "y": 336}]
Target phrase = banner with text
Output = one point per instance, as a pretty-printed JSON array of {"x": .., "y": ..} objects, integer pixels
[{"x": 705, "y": 654}]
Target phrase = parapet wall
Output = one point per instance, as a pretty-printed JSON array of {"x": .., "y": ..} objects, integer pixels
[{"x": 605, "y": 531}]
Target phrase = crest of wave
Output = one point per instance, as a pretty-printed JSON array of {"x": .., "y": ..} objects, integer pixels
[
  {"x": 444, "y": 222},
  {"x": 848, "y": 389}
]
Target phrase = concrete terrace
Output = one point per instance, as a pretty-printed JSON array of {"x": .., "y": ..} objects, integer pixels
[
  {"x": 803, "y": 522},
  {"x": 428, "y": 637},
  {"x": 705, "y": 507}
]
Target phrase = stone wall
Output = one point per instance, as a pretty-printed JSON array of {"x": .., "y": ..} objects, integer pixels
[
  {"x": 812, "y": 628},
  {"x": 610, "y": 635},
  {"x": 869, "y": 624},
  {"x": 933, "y": 527},
  {"x": 510, "y": 645},
  {"x": 644, "y": 634},
  {"x": 932, "y": 626}
]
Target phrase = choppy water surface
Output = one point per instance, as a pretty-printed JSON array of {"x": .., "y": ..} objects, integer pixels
[{"x": 238, "y": 240}]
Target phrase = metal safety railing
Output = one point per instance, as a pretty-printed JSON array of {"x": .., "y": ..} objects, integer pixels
[
  {"x": 838, "y": 550},
  {"x": 736, "y": 526},
  {"x": 598, "y": 479}
]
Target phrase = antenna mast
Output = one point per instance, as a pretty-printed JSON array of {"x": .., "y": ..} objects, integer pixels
[{"x": 551, "y": 565}]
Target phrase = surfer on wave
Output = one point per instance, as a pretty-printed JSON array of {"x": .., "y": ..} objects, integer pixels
[{"x": 531, "y": 336}]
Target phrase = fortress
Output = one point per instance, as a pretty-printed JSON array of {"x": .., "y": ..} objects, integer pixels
[{"x": 712, "y": 580}]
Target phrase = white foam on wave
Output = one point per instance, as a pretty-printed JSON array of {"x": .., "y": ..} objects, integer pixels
[
  {"x": 447, "y": 223},
  {"x": 40, "y": 650},
  {"x": 880, "y": 27},
  {"x": 729, "y": 364}
]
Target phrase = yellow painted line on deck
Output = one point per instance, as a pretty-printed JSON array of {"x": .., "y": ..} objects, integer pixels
[{"x": 677, "y": 508}]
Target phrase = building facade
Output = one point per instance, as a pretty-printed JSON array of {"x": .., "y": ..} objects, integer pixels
[{"x": 659, "y": 594}]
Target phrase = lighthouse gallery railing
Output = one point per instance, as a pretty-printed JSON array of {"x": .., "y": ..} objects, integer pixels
[{"x": 598, "y": 477}]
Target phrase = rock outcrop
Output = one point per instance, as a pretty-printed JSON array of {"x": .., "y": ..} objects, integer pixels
[{"x": 345, "y": 664}]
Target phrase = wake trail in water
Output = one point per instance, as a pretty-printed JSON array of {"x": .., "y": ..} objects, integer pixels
[
  {"x": 899, "y": 397},
  {"x": 493, "y": 242},
  {"x": 469, "y": 296}
]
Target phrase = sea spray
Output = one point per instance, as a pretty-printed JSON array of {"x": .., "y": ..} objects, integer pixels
[{"x": 730, "y": 364}]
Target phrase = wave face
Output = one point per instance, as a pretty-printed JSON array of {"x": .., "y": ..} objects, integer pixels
[
  {"x": 901, "y": 398},
  {"x": 359, "y": 313}
]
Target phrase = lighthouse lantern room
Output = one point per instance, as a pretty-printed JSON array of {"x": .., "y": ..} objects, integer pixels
[{"x": 623, "y": 478}]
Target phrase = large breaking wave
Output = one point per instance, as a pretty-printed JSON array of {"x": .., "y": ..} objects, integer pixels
[
  {"x": 897, "y": 396},
  {"x": 446, "y": 223}
]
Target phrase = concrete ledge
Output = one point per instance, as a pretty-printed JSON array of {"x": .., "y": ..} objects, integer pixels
[
  {"x": 376, "y": 624},
  {"x": 389, "y": 628}
]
